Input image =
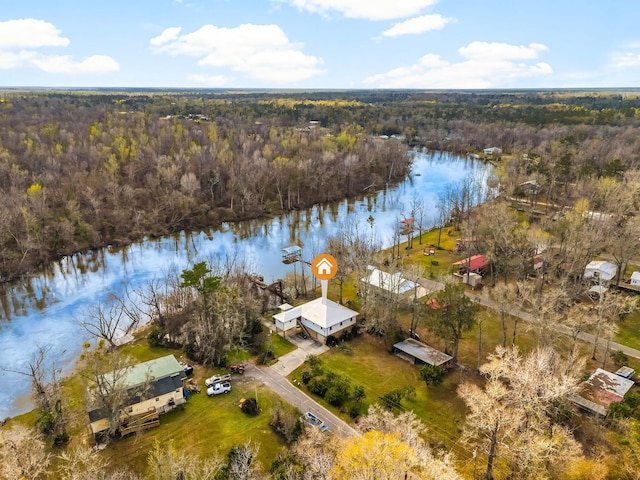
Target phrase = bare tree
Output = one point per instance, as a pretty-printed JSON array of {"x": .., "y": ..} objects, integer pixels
[
  {"x": 166, "y": 462},
  {"x": 315, "y": 452},
  {"x": 23, "y": 454},
  {"x": 82, "y": 463},
  {"x": 411, "y": 431},
  {"x": 242, "y": 462},
  {"x": 512, "y": 415},
  {"x": 45, "y": 391},
  {"x": 107, "y": 322},
  {"x": 108, "y": 388}
]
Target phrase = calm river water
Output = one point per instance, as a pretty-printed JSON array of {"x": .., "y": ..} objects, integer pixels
[{"x": 42, "y": 310}]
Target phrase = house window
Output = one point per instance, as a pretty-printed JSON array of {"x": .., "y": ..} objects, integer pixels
[
  {"x": 157, "y": 399},
  {"x": 330, "y": 328},
  {"x": 340, "y": 323},
  {"x": 130, "y": 409}
]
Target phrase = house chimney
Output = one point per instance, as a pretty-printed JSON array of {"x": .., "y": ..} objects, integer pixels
[{"x": 324, "y": 284}]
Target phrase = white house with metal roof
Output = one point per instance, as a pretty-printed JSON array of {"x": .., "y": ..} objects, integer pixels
[
  {"x": 600, "y": 271},
  {"x": 393, "y": 283},
  {"x": 318, "y": 318}
]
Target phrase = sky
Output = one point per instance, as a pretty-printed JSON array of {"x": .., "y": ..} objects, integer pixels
[{"x": 320, "y": 44}]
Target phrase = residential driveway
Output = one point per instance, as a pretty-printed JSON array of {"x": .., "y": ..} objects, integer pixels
[
  {"x": 292, "y": 360},
  {"x": 274, "y": 377}
]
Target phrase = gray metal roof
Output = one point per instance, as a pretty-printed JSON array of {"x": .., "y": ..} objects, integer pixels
[{"x": 423, "y": 352}]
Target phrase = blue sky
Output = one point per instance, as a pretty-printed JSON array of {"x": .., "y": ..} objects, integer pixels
[{"x": 320, "y": 43}]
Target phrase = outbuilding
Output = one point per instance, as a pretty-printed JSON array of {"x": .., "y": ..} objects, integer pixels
[
  {"x": 635, "y": 279},
  {"x": 600, "y": 271},
  {"x": 420, "y": 353},
  {"x": 601, "y": 390},
  {"x": 475, "y": 264}
]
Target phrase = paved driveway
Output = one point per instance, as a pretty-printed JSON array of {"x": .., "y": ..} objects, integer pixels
[{"x": 274, "y": 377}]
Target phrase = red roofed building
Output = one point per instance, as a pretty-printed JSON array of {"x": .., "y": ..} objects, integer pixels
[{"x": 476, "y": 263}]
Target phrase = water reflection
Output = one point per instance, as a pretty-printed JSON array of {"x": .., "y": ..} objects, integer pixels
[{"x": 40, "y": 310}]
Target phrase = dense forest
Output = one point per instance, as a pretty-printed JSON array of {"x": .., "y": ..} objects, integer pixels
[{"x": 80, "y": 170}]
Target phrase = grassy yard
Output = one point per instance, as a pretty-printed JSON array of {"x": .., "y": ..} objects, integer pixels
[
  {"x": 205, "y": 427},
  {"x": 378, "y": 371},
  {"x": 279, "y": 345},
  {"x": 629, "y": 330}
]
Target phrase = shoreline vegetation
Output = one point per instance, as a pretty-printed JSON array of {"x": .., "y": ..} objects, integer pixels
[{"x": 82, "y": 170}]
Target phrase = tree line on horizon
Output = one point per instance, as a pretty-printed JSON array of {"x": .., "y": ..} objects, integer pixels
[{"x": 80, "y": 170}]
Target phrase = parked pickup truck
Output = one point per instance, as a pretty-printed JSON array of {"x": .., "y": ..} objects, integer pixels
[
  {"x": 219, "y": 388},
  {"x": 217, "y": 379}
]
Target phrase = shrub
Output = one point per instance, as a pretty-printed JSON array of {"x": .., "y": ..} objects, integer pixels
[
  {"x": 332, "y": 341},
  {"x": 155, "y": 338},
  {"x": 433, "y": 375},
  {"x": 285, "y": 423},
  {"x": 319, "y": 385},
  {"x": 60, "y": 439},
  {"x": 250, "y": 406},
  {"x": 358, "y": 394},
  {"x": 619, "y": 358},
  {"x": 336, "y": 395},
  {"x": 354, "y": 410},
  {"x": 306, "y": 376},
  {"x": 315, "y": 364},
  {"x": 346, "y": 336},
  {"x": 391, "y": 399},
  {"x": 46, "y": 422},
  {"x": 189, "y": 350}
]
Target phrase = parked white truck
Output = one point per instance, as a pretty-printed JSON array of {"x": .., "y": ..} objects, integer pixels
[
  {"x": 217, "y": 379},
  {"x": 218, "y": 388}
]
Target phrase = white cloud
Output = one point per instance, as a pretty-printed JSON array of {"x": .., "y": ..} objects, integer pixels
[
  {"x": 418, "y": 25},
  {"x": 20, "y": 38},
  {"x": 365, "y": 9},
  {"x": 167, "y": 35},
  {"x": 624, "y": 60},
  {"x": 95, "y": 64},
  {"x": 262, "y": 52},
  {"x": 500, "y": 51},
  {"x": 485, "y": 65},
  {"x": 30, "y": 33},
  {"x": 10, "y": 60}
]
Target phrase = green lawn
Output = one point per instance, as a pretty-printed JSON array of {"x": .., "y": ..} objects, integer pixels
[
  {"x": 280, "y": 345},
  {"x": 206, "y": 426},
  {"x": 379, "y": 372},
  {"x": 203, "y": 427},
  {"x": 629, "y": 330}
]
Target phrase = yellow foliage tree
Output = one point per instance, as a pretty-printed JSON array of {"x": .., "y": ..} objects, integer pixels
[
  {"x": 34, "y": 189},
  {"x": 374, "y": 456}
]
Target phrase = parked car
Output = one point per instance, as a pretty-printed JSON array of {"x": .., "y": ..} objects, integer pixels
[
  {"x": 217, "y": 379},
  {"x": 314, "y": 421},
  {"x": 219, "y": 388}
]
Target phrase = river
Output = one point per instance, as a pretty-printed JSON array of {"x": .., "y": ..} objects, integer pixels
[{"x": 42, "y": 310}]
